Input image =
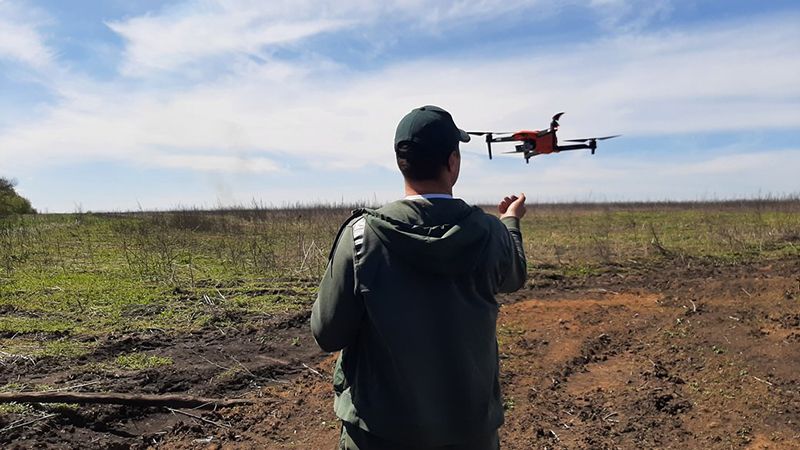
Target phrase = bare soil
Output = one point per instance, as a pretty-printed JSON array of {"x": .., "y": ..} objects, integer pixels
[{"x": 681, "y": 354}]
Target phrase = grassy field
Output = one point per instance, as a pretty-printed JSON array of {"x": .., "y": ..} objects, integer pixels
[
  {"x": 190, "y": 300},
  {"x": 91, "y": 274}
]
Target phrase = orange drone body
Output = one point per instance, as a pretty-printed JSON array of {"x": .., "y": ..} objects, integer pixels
[
  {"x": 537, "y": 142},
  {"x": 545, "y": 141}
]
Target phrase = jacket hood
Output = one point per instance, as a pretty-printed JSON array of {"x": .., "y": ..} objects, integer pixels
[{"x": 443, "y": 236}]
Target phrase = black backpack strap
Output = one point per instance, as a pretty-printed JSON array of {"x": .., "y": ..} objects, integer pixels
[{"x": 356, "y": 214}]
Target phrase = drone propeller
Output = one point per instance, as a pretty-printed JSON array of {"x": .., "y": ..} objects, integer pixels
[
  {"x": 482, "y": 133},
  {"x": 489, "y": 138},
  {"x": 554, "y": 122},
  {"x": 592, "y": 138}
]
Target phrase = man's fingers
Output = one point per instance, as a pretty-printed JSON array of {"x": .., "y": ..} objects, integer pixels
[
  {"x": 511, "y": 204},
  {"x": 503, "y": 206}
]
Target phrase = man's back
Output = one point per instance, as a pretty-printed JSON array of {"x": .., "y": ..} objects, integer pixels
[{"x": 409, "y": 297}]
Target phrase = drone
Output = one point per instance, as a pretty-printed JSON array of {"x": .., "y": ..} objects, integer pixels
[{"x": 538, "y": 142}]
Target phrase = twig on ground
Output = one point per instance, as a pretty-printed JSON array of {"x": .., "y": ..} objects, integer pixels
[
  {"x": 220, "y": 295},
  {"x": 116, "y": 398},
  {"x": 215, "y": 364},
  {"x": 14, "y": 426},
  {"x": 611, "y": 414},
  {"x": 16, "y": 357},
  {"x": 195, "y": 416},
  {"x": 748, "y": 294},
  {"x": 243, "y": 367},
  {"x": 314, "y": 371},
  {"x": 694, "y": 306},
  {"x": 67, "y": 388},
  {"x": 602, "y": 291},
  {"x": 763, "y": 381}
]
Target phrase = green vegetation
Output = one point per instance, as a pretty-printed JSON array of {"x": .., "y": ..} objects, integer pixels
[
  {"x": 71, "y": 275},
  {"x": 35, "y": 349},
  {"x": 586, "y": 239},
  {"x": 95, "y": 274},
  {"x": 10, "y": 201},
  {"x": 141, "y": 361}
]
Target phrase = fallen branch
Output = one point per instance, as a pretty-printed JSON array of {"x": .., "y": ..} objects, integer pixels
[
  {"x": 15, "y": 425},
  {"x": 114, "y": 398},
  {"x": 195, "y": 416}
]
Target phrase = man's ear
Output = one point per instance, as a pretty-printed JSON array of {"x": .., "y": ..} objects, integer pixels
[{"x": 454, "y": 160}]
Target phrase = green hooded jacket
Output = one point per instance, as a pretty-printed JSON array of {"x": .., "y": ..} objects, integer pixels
[{"x": 410, "y": 302}]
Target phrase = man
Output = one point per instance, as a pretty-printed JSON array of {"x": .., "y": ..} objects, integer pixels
[{"x": 408, "y": 297}]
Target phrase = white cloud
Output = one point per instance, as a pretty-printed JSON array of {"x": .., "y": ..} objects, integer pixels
[
  {"x": 727, "y": 78},
  {"x": 198, "y": 31},
  {"x": 630, "y": 15},
  {"x": 21, "y": 39},
  {"x": 165, "y": 42},
  {"x": 211, "y": 163}
]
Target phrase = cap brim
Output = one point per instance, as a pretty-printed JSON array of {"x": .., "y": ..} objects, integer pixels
[{"x": 463, "y": 136}]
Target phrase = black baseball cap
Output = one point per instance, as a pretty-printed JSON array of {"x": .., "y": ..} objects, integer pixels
[{"x": 431, "y": 128}]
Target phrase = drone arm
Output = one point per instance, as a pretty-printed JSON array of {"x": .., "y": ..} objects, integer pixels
[{"x": 561, "y": 148}]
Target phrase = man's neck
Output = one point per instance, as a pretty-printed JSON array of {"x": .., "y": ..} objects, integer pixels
[{"x": 427, "y": 187}]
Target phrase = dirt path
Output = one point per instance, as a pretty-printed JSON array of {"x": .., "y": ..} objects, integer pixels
[{"x": 685, "y": 355}]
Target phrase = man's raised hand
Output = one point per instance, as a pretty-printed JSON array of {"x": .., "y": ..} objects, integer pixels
[{"x": 512, "y": 206}]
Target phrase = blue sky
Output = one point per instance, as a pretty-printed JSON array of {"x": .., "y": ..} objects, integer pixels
[{"x": 117, "y": 105}]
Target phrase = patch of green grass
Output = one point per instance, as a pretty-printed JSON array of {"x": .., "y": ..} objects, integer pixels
[
  {"x": 507, "y": 333},
  {"x": 229, "y": 373},
  {"x": 581, "y": 271},
  {"x": 15, "y": 408},
  {"x": 64, "y": 349},
  {"x": 13, "y": 387},
  {"x": 61, "y": 348},
  {"x": 24, "y": 325},
  {"x": 141, "y": 361}
]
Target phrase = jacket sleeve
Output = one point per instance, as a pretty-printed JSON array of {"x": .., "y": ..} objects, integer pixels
[
  {"x": 338, "y": 310},
  {"x": 515, "y": 268}
]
